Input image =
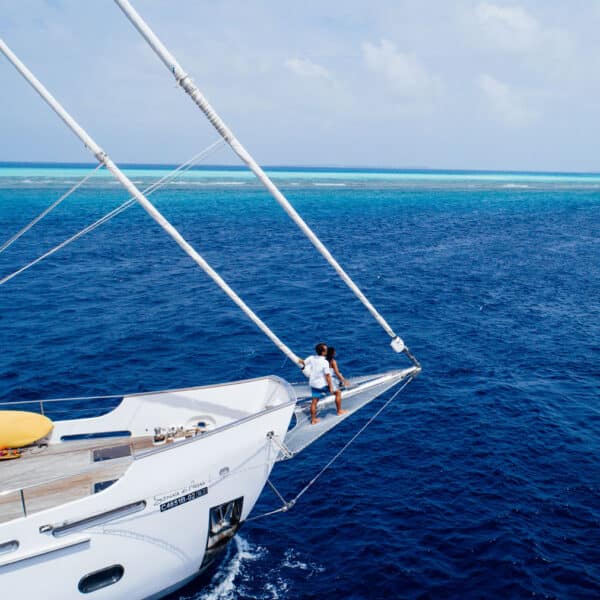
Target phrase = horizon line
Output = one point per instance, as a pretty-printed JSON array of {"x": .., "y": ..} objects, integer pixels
[{"x": 424, "y": 169}]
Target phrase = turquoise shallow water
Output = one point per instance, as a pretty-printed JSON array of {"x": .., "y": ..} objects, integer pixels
[
  {"x": 481, "y": 481},
  {"x": 37, "y": 173}
]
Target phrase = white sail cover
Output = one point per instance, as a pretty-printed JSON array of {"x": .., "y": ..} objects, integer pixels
[{"x": 362, "y": 391}]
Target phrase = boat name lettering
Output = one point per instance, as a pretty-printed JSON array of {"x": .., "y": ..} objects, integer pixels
[
  {"x": 182, "y": 491},
  {"x": 183, "y": 499}
]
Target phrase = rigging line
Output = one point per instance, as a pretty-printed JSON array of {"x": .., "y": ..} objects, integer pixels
[
  {"x": 290, "y": 504},
  {"x": 188, "y": 85},
  {"x": 27, "y": 227},
  {"x": 113, "y": 213},
  {"x": 81, "y": 233},
  {"x": 71, "y": 399},
  {"x": 183, "y": 167},
  {"x": 276, "y": 491},
  {"x": 158, "y": 217}
]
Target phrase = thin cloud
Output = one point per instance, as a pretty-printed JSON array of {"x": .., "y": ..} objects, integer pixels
[
  {"x": 307, "y": 68},
  {"x": 403, "y": 72},
  {"x": 506, "y": 103},
  {"x": 510, "y": 28},
  {"x": 514, "y": 30}
]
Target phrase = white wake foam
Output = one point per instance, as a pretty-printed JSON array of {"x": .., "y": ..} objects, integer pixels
[
  {"x": 223, "y": 585},
  {"x": 237, "y": 576},
  {"x": 291, "y": 561}
]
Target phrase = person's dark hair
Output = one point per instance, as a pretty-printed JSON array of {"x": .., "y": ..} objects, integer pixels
[
  {"x": 330, "y": 353},
  {"x": 319, "y": 348}
]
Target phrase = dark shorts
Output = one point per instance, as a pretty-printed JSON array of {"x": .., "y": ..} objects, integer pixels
[{"x": 319, "y": 392}]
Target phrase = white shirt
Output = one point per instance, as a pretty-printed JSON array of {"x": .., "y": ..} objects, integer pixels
[{"x": 319, "y": 367}]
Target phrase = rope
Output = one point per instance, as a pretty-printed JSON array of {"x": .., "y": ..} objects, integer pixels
[
  {"x": 113, "y": 213},
  {"x": 290, "y": 504},
  {"x": 27, "y": 227}
]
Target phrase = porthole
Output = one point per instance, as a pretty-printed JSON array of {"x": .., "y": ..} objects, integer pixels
[{"x": 100, "y": 579}]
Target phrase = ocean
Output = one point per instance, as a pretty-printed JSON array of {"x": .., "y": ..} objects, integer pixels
[{"x": 480, "y": 480}]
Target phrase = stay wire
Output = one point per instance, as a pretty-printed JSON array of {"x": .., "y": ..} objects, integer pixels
[
  {"x": 37, "y": 219},
  {"x": 290, "y": 504},
  {"x": 113, "y": 213}
]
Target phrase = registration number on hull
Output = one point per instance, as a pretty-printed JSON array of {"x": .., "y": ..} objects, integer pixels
[{"x": 175, "y": 502}]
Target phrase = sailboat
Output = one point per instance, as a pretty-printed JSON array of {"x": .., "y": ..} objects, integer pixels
[{"x": 141, "y": 499}]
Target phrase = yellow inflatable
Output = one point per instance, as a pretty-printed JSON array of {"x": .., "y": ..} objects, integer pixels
[{"x": 19, "y": 428}]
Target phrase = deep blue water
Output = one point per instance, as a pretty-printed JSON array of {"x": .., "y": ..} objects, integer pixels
[{"x": 482, "y": 480}]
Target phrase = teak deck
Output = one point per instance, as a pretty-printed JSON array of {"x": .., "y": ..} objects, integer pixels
[{"x": 48, "y": 476}]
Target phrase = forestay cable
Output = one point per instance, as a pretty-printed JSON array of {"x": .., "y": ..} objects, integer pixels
[
  {"x": 27, "y": 227},
  {"x": 186, "y": 83},
  {"x": 113, "y": 213}
]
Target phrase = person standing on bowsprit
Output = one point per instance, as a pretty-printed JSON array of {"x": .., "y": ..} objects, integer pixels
[{"x": 318, "y": 371}]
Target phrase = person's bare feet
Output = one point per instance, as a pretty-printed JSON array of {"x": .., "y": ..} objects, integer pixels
[
  {"x": 341, "y": 412},
  {"x": 314, "y": 421}
]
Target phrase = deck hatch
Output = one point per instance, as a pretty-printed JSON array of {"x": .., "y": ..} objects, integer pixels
[{"x": 110, "y": 452}]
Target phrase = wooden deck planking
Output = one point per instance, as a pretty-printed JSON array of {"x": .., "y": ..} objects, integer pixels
[
  {"x": 10, "y": 506},
  {"x": 49, "y": 495},
  {"x": 72, "y": 488},
  {"x": 59, "y": 473},
  {"x": 38, "y": 465}
]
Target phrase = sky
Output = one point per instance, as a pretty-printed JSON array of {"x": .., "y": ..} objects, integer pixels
[{"x": 453, "y": 84}]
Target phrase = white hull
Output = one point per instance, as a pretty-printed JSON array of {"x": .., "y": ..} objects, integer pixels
[
  {"x": 168, "y": 492},
  {"x": 156, "y": 525}
]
